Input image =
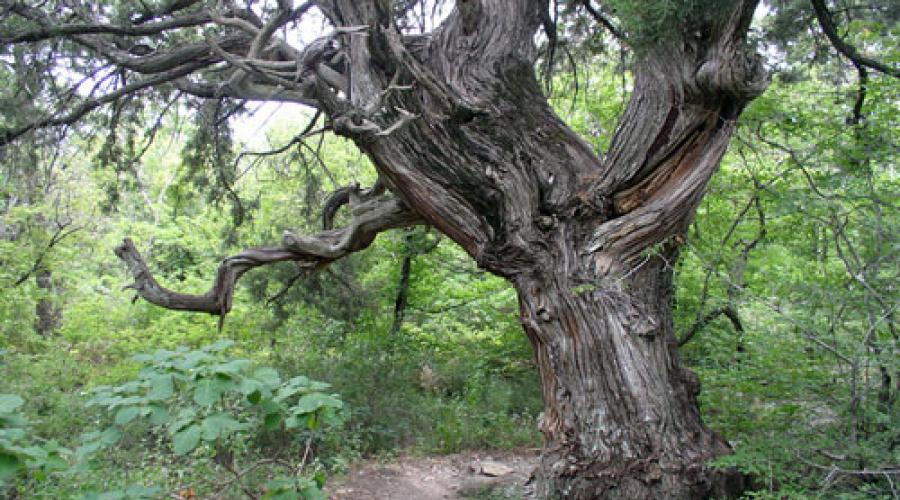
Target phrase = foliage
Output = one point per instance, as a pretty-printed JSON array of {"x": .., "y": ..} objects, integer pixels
[
  {"x": 191, "y": 401},
  {"x": 650, "y": 22},
  {"x": 200, "y": 400},
  {"x": 18, "y": 451}
]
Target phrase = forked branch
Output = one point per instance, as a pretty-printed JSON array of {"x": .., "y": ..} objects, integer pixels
[
  {"x": 370, "y": 218},
  {"x": 826, "y": 22}
]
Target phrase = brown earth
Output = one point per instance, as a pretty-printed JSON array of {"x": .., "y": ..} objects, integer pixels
[{"x": 488, "y": 474}]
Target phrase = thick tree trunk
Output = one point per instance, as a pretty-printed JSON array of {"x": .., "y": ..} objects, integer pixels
[
  {"x": 588, "y": 241},
  {"x": 621, "y": 418}
]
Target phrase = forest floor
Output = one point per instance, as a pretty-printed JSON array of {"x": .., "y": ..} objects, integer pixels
[{"x": 481, "y": 475}]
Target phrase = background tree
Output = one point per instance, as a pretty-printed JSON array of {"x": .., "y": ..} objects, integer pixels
[{"x": 463, "y": 138}]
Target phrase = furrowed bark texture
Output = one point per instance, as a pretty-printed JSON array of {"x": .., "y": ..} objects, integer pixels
[{"x": 588, "y": 241}]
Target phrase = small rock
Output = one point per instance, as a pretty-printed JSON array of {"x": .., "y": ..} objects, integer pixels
[{"x": 495, "y": 469}]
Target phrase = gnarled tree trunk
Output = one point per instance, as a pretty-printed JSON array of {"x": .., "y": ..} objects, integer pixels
[
  {"x": 621, "y": 417},
  {"x": 589, "y": 242}
]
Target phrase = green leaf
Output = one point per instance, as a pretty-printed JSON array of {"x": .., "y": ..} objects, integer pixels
[
  {"x": 292, "y": 422},
  {"x": 311, "y": 492},
  {"x": 9, "y": 464},
  {"x": 110, "y": 436},
  {"x": 281, "y": 489},
  {"x": 128, "y": 387},
  {"x": 142, "y": 492},
  {"x": 192, "y": 360},
  {"x": 217, "y": 425},
  {"x": 12, "y": 421},
  {"x": 187, "y": 440},
  {"x": 270, "y": 406},
  {"x": 312, "y": 402},
  {"x": 127, "y": 414},
  {"x": 10, "y": 403},
  {"x": 34, "y": 453},
  {"x": 87, "y": 449},
  {"x": 143, "y": 358},
  {"x": 268, "y": 376},
  {"x": 320, "y": 479},
  {"x": 129, "y": 401},
  {"x": 55, "y": 461},
  {"x": 272, "y": 421},
  {"x": 234, "y": 366},
  {"x": 161, "y": 387},
  {"x": 286, "y": 392},
  {"x": 158, "y": 415},
  {"x": 185, "y": 417},
  {"x": 298, "y": 381},
  {"x": 11, "y": 435},
  {"x": 249, "y": 385},
  {"x": 219, "y": 346},
  {"x": 208, "y": 392}
]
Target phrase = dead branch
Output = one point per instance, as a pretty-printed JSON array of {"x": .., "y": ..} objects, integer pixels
[{"x": 314, "y": 252}]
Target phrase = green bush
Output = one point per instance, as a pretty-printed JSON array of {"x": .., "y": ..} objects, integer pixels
[
  {"x": 191, "y": 405},
  {"x": 19, "y": 451},
  {"x": 198, "y": 399}
]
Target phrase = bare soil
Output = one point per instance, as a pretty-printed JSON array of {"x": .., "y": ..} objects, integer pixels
[{"x": 483, "y": 475}]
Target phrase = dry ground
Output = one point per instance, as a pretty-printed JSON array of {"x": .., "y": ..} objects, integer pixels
[{"x": 486, "y": 475}]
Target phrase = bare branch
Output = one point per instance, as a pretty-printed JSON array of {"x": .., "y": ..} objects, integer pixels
[
  {"x": 60, "y": 234},
  {"x": 282, "y": 17},
  {"x": 7, "y": 136},
  {"x": 165, "y": 60},
  {"x": 341, "y": 197},
  {"x": 246, "y": 90},
  {"x": 600, "y": 18},
  {"x": 49, "y": 31},
  {"x": 728, "y": 311},
  {"x": 849, "y": 51},
  {"x": 313, "y": 252}
]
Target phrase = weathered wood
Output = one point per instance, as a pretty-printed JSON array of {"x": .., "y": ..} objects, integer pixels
[
  {"x": 370, "y": 218},
  {"x": 589, "y": 242}
]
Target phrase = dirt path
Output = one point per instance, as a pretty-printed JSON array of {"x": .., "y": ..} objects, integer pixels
[{"x": 493, "y": 475}]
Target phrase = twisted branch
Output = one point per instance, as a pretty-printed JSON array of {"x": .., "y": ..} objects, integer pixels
[
  {"x": 826, "y": 22},
  {"x": 314, "y": 252}
]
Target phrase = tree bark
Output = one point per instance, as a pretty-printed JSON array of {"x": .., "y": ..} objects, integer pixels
[
  {"x": 48, "y": 314},
  {"x": 621, "y": 417},
  {"x": 588, "y": 241}
]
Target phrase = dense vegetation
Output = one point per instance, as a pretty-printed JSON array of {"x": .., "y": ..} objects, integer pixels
[{"x": 785, "y": 302}]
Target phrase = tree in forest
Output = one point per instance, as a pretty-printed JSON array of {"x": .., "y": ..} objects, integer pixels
[{"x": 453, "y": 116}]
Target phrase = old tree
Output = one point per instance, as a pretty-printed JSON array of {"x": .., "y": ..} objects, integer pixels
[{"x": 452, "y": 114}]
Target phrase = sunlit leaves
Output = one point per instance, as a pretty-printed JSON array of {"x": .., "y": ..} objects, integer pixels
[{"x": 201, "y": 398}]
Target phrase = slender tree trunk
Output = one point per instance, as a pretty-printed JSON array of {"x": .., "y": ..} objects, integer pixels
[
  {"x": 48, "y": 315},
  {"x": 402, "y": 298}
]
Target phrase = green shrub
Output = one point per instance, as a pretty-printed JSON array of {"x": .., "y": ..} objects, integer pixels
[
  {"x": 20, "y": 452},
  {"x": 195, "y": 400}
]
